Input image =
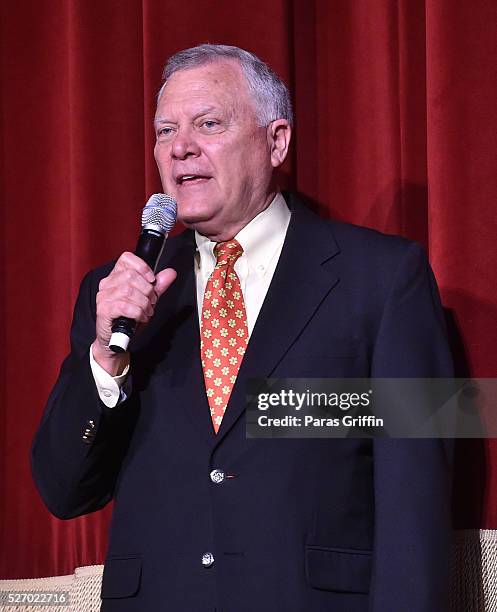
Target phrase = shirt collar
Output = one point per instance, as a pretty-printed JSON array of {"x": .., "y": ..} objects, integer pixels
[{"x": 261, "y": 239}]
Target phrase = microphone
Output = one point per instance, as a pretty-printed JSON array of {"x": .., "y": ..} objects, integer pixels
[{"x": 158, "y": 219}]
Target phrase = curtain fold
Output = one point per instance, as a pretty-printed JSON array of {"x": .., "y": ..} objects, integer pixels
[{"x": 396, "y": 129}]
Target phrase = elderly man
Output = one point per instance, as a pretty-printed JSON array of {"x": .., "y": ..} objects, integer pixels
[{"x": 204, "y": 518}]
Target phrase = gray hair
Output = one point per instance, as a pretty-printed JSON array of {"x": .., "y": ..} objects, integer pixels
[{"x": 269, "y": 93}]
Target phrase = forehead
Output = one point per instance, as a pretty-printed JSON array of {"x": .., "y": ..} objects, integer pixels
[{"x": 220, "y": 84}]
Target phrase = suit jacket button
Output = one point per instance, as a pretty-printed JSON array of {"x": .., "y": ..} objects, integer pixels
[
  {"x": 217, "y": 476},
  {"x": 207, "y": 559},
  {"x": 89, "y": 433}
]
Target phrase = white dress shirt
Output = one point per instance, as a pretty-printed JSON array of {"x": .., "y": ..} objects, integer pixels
[{"x": 261, "y": 240}]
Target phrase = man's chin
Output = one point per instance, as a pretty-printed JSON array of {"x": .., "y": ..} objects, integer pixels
[
  {"x": 194, "y": 214},
  {"x": 196, "y": 222},
  {"x": 210, "y": 228}
]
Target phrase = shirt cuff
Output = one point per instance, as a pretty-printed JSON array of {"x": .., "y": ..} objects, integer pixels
[{"x": 109, "y": 387}]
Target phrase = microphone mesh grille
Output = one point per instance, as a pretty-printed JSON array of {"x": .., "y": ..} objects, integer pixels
[{"x": 160, "y": 210}]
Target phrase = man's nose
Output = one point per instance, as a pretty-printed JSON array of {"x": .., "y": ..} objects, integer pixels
[{"x": 184, "y": 145}]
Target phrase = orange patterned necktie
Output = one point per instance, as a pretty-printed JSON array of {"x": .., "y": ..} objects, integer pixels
[{"x": 224, "y": 333}]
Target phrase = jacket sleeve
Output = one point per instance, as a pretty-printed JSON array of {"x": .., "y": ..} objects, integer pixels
[
  {"x": 412, "y": 477},
  {"x": 79, "y": 446}
]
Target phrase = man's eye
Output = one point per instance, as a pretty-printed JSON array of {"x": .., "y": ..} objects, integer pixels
[
  {"x": 165, "y": 131},
  {"x": 209, "y": 124}
]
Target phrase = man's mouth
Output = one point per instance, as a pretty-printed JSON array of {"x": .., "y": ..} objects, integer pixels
[{"x": 191, "y": 179}]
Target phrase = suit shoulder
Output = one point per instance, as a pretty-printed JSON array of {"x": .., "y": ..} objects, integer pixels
[
  {"x": 370, "y": 242},
  {"x": 374, "y": 257},
  {"x": 351, "y": 238}
]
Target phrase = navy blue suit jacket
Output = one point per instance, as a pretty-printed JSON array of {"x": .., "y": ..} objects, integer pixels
[{"x": 302, "y": 525}]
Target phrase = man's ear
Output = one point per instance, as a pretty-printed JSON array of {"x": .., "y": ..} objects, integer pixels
[{"x": 279, "y": 133}]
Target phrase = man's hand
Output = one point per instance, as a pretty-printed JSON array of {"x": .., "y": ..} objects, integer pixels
[{"x": 131, "y": 290}]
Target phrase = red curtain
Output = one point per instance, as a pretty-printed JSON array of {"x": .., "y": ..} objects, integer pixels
[{"x": 395, "y": 129}]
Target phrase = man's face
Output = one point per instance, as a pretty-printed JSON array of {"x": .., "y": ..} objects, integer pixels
[{"x": 212, "y": 156}]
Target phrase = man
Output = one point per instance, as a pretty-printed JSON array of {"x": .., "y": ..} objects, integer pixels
[{"x": 204, "y": 518}]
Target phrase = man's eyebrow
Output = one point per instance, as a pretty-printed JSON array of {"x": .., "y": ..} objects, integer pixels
[
  {"x": 200, "y": 113},
  {"x": 205, "y": 111},
  {"x": 158, "y": 120}
]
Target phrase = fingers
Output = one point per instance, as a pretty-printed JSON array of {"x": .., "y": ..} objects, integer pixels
[
  {"x": 164, "y": 280},
  {"x": 128, "y": 285},
  {"x": 111, "y": 306},
  {"x": 130, "y": 290},
  {"x": 129, "y": 261},
  {"x": 129, "y": 271}
]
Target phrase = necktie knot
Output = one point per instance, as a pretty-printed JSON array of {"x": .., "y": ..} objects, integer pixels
[{"x": 227, "y": 253}]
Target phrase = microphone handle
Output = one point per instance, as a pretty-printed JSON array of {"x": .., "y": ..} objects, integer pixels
[{"x": 149, "y": 248}]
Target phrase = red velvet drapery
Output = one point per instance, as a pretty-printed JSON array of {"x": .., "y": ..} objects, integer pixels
[{"x": 396, "y": 129}]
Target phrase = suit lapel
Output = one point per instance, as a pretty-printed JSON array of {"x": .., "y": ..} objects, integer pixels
[{"x": 299, "y": 285}]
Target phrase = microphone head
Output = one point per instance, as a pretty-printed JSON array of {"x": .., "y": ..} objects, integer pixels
[{"x": 159, "y": 213}]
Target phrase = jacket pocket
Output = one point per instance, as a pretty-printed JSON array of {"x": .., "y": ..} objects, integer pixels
[
  {"x": 338, "y": 569},
  {"x": 122, "y": 576}
]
